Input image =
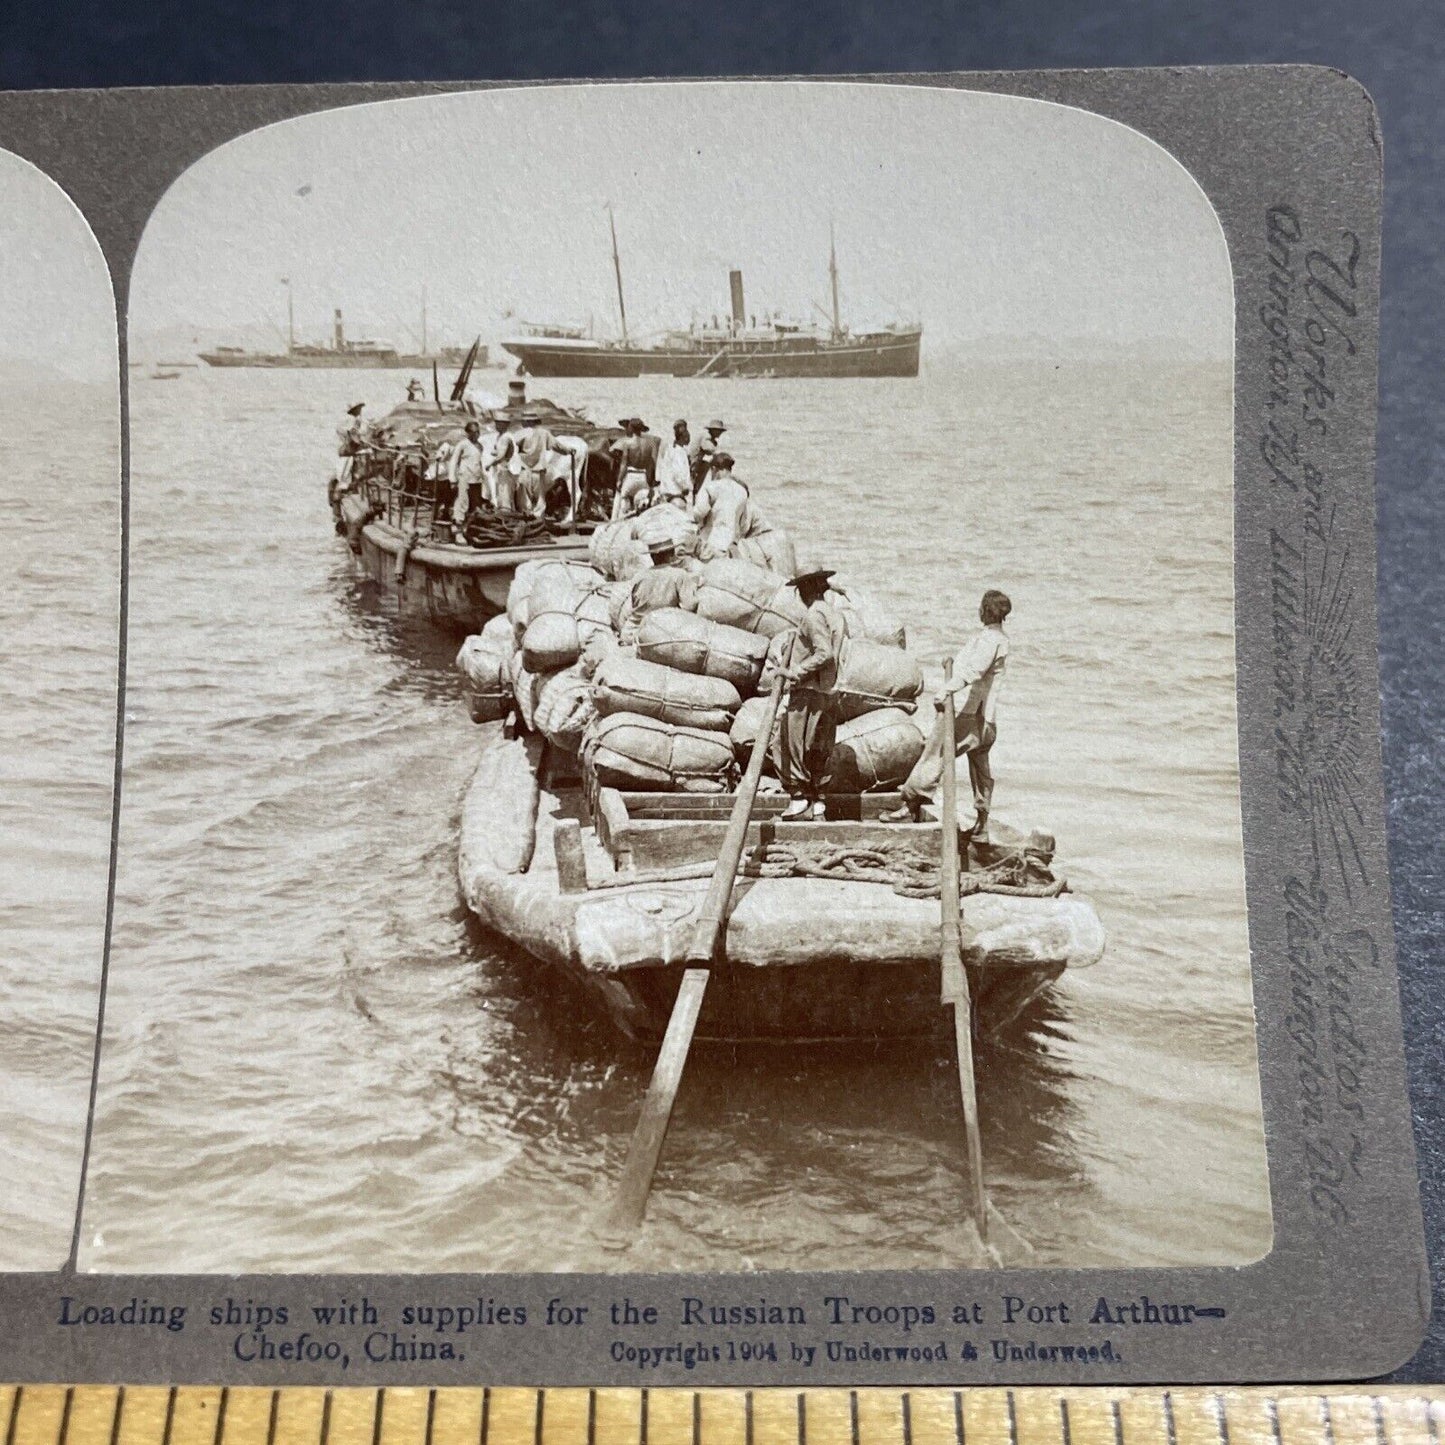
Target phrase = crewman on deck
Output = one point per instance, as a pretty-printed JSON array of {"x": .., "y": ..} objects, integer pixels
[
  {"x": 467, "y": 472},
  {"x": 802, "y": 747},
  {"x": 350, "y": 444},
  {"x": 977, "y": 677},
  {"x": 525, "y": 453},
  {"x": 674, "y": 468},
  {"x": 637, "y": 452},
  {"x": 413, "y": 390},
  {"x": 664, "y": 584},
  {"x": 724, "y": 511},
  {"x": 700, "y": 452}
]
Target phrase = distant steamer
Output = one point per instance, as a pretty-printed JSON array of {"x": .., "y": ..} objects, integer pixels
[
  {"x": 732, "y": 347},
  {"x": 363, "y": 355}
]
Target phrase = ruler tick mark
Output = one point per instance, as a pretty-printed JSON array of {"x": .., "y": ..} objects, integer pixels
[
  {"x": 431, "y": 1414},
  {"x": 325, "y": 1417},
  {"x": 220, "y": 1415},
  {"x": 120, "y": 1410},
  {"x": 170, "y": 1416},
  {"x": 486, "y": 1414},
  {"x": 907, "y": 1418},
  {"x": 14, "y": 1414},
  {"x": 270, "y": 1423},
  {"x": 1430, "y": 1423},
  {"x": 539, "y": 1417},
  {"x": 1382, "y": 1435},
  {"x": 1118, "y": 1420},
  {"x": 1216, "y": 1403},
  {"x": 592, "y": 1417},
  {"x": 958, "y": 1417},
  {"x": 60, "y": 1435},
  {"x": 802, "y": 1419},
  {"x": 1327, "y": 1420},
  {"x": 376, "y": 1417},
  {"x": 696, "y": 1418},
  {"x": 1169, "y": 1428},
  {"x": 1064, "y": 1421},
  {"x": 642, "y": 1420},
  {"x": 1013, "y": 1420},
  {"x": 853, "y": 1414},
  {"x": 748, "y": 1418}
]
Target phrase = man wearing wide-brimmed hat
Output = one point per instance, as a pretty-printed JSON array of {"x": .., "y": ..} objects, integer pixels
[
  {"x": 525, "y": 453},
  {"x": 636, "y": 452},
  {"x": 350, "y": 443},
  {"x": 803, "y": 744},
  {"x": 700, "y": 453},
  {"x": 664, "y": 584}
]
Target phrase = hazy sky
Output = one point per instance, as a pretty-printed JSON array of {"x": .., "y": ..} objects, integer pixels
[
  {"x": 981, "y": 215},
  {"x": 56, "y": 304}
]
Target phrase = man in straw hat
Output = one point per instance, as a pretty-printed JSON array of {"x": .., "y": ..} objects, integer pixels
[
  {"x": 525, "y": 453},
  {"x": 636, "y": 451},
  {"x": 700, "y": 453},
  {"x": 664, "y": 584},
  {"x": 350, "y": 443},
  {"x": 803, "y": 743}
]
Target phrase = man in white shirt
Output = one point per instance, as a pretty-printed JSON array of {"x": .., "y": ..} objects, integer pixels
[
  {"x": 674, "y": 469},
  {"x": 466, "y": 470},
  {"x": 977, "y": 676}
]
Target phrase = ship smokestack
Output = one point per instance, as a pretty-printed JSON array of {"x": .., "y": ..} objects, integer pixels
[
  {"x": 338, "y": 332},
  {"x": 735, "y": 283},
  {"x": 516, "y": 393}
]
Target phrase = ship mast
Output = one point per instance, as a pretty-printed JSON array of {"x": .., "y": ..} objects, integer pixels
[
  {"x": 833, "y": 277},
  {"x": 423, "y": 321},
  {"x": 290, "y": 316},
  {"x": 617, "y": 270}
]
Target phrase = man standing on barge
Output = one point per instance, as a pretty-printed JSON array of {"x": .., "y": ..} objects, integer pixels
[
  {"x": 977, "y": 676},
  {"x": 803, "y": 743}
]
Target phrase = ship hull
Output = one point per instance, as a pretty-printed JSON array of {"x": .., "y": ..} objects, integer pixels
[
  {"x": 885, "y": 355},
  {"x": 337, "y": 361}
]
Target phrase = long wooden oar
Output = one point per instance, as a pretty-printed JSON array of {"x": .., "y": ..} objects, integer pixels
[
  {"x": 627, "y": 1208},
  {"x": 955, "y": 980}
]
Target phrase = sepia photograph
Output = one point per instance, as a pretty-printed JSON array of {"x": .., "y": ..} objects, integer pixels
[
  {"x": 680, "y": 697},
  {"x": 60, "y": 619}
]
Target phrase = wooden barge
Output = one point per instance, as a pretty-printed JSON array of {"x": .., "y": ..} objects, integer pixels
[{"x": 608, "y": 889}]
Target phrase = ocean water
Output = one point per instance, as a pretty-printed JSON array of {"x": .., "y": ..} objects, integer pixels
[
  {"x": 60, "y": 626},
  {"x": 314, "y": 1059}
]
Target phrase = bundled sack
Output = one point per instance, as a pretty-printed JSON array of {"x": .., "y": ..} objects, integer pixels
[
  {"x": 877, "y": 750},
  {"x": 752, "y": 598},
  {"x": 594, "y": 616},
  {"x": 773, "y": 550},
  {"x": 483, "y": 662},
  {"x": 695, "y": 644},
  {"x": 633, "y": 685},
  {"x": 618, "y": 594},
  {"x": 667, "y": 523},
  {"x": 595, "y": 651},
  {"x": 746, "y": 727},
  {"x": 642, "y": 754},
  {"x": 526, "y": 689},
  {"x": 519, "y": 594},
  {"x": 863, "y": 617},
  {"x": 615, "y": 552},
  {"x": 550, "y": 640},
  {"x": 874, "y": 675},
  {"x": 564, "y": 708}
]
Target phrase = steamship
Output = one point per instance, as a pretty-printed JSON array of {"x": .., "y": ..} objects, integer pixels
[
  {"x": 738, "y": 345},
  {"x": 343, "y": 350}
]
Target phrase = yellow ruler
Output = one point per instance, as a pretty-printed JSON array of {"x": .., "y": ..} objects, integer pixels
[{"x": 196, "y": 1415}]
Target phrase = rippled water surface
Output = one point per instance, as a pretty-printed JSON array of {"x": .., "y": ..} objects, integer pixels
[
  {"x": 315, "y": 1060},
  {"x": 59, "y": 631}
]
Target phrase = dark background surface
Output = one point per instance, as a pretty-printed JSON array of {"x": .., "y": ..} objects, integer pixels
[{"x": 1396, "y": 49}]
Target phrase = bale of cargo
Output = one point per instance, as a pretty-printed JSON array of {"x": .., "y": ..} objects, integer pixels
[
  {"x": 687, "y": 699},
  {"x": 564, "y": 708},
  {"x": 746, "y": 727},
  {"x": 594, "y": 616},
  {"x": 876, "y": 750},
  {"x": 666, "y": 523},
  {"x": 483, "y": 662},
  {"x": 642, "y": 754},
  {"x": 747, "y": 596},
  {"x": 585, "y": 578},
  {"x": 863, "y": 617},
  {"x": 696, "y": 644},
  {"x": 615, "y": 552},
  {"x": 618, "y": 594},
  {"x": 526, "y": 688},
  {"x": 595, "y": 651},
  {"x": 550, "y": 640},
  {"x": 773, "y": 550},
  {"x": 874, "y": 675}
]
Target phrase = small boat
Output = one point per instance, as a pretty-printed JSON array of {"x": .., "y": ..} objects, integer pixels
[
  {"x": 159, "y": 375},
  {"x": 393, "y": 522},
  {"x": 606, "y": 888}
]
